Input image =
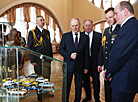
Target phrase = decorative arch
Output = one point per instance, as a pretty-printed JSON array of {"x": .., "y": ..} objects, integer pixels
[{"x": 19, "y": 4}]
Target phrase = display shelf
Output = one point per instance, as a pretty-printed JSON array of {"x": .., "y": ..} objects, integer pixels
[{"x": 11, "y": 86}]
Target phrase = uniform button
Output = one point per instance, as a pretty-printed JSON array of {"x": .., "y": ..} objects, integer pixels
[
  {"x": 105, "y": 52},
  {"x": 106, "y": 47},
  {"x": 106, "y": 42},
  {"x": 105, "y": 57}
]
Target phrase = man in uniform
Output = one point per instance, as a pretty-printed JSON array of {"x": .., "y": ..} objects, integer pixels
[
  {"x": 108, "y": 38},
  {"x": 39, "y": 41}
]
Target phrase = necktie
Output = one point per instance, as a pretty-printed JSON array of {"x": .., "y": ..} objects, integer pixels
[
  {"x": 76, "y": 40},
  {"x": 89, "y": 44},
  {"x": 111, "y": 29}
]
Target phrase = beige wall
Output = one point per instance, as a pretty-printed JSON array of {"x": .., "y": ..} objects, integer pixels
[
  {"x": 63, "y": 10},
  {"x": 136, "y": 9}
]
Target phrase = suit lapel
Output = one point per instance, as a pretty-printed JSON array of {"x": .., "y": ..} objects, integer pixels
[
  {"x": 72, "y": 40},
  {"x": 79, "y": 41},
  {"x": 93, "y": 40}
]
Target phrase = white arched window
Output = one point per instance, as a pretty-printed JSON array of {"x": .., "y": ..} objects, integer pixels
[{"x": 20, "y": 24}]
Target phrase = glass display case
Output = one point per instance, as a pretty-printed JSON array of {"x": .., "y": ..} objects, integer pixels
[{"x": 19, "y": 81}]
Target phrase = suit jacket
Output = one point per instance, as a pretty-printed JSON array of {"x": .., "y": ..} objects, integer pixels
[
  {"x": 95, "y": 47},
  {"x": 67, "y": 47},
  {"x": 108, "y": 43},
  {"x": 39, "y": 42},
  {"x": 123, "y": 59}
]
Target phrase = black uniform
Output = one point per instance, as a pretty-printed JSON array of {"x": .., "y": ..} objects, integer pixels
[
  {"x": 107, "y": 42},
  {"x": 40, "y": 42}
]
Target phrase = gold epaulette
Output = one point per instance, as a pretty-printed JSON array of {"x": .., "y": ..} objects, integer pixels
[
  {"x": 103, "y": 38},
  {"x": 28, "y": 32}
]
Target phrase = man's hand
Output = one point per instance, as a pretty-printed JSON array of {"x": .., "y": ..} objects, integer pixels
[
  {"x": 104, "y": 76},
  {"x": 100, "y": 69},
  {"x": 35, "y": 64},
  {"x": 85, "y": 71},
  {"x": 73, "y": 55}
]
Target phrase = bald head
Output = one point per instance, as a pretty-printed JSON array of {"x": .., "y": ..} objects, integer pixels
[
  {"x": 127, "y": 5},
  {"x": 74, "y": 19},
  {"x": 75, "y": 25},
  {"x": 122, "y": 11}
]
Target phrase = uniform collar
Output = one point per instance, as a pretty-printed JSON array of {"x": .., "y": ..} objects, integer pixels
[{"x": 40, "y": 29}]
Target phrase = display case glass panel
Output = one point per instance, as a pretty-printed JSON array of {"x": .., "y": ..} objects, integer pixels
[{"x": 19, "y": 79}]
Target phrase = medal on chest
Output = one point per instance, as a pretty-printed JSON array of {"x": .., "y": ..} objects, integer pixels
[{"x": 113, "y": 38}]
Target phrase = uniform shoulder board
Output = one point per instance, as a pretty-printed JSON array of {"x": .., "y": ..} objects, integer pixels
[{"x": 32, "y": 31}]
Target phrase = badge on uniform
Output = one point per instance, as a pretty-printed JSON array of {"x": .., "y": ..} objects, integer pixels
[
  {"x": 113, "y": 38},
  {"x": 47, "y": 36}
]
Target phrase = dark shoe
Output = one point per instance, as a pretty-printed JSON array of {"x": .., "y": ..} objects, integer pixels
[{"x": 86, "y": 99}]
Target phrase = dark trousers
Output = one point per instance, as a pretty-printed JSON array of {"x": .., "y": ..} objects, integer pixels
[
  {"x": 96, "y": 82},
  {"x": 108, "y": 91},
  {"x": 86, "y": 84},
  {"x": 78, "y": 85},
  {"x": 122, "y": 97}
]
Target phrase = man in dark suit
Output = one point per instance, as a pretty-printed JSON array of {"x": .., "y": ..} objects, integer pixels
[
  {"x": 123, "y": 58},
  {"x": 108, "y": 37},
  {"x": 74, "y": 49},
  {"x": 39, "y": 41},
  {"x": 94, "y": 47}
]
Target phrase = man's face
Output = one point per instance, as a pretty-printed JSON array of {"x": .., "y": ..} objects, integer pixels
[
  {"x": 75, "y": 25},
  {"x": 110, "y": 18},
  {"x": 118, "y": 15},
  {"x": 88, "y": 26},
  {"x": 40, "y": 22}
]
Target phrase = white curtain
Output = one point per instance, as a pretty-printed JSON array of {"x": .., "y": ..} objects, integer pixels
[{"x": 20, "y": 24}]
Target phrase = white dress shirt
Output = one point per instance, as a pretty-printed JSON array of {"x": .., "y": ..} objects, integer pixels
[
  {"x": 113, "y": 27},
  {"x": 40, "y": 29},
  {"x": 126, "y": 20},
  {"x": 74, "y": 36},
  {"x": 90, "y": 40}
]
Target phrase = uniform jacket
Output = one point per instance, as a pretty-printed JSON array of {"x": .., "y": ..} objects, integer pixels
[
  {"x": 107, "y": 42},
  {"x": 123, "y": 59},
  {"x": 67, "y": 47},
  {"x": 40, "y": 42}
]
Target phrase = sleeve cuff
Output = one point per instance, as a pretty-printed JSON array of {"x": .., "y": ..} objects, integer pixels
[{"x": 108, "y": 76}]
